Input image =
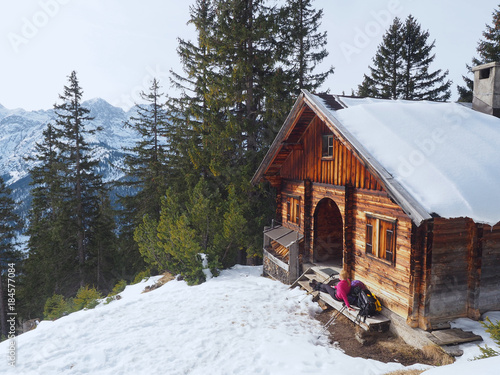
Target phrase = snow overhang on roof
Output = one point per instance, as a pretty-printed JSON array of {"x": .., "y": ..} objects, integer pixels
[
  {"x": 433, "y": 157},
  {"x": 411, "y": 207}
]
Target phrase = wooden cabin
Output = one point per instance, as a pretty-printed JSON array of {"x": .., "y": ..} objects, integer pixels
[{"x": 403, "y": 195}]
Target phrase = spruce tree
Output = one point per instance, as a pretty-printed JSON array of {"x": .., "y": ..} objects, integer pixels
[
  {"x": 66, "y": 217},
  {"x": 418, "y": 82},
  {"x": 385, "y": 78},
  {"x": 147, "y": 168},
  {"x": 192, "y": 112},
  {"x": 50, "y": 266},
  {"x": 402, "y": 66},
  {"x": 236, "y": 89},
  {"x": 488, "y": 50},
  {"x": 10, "y": 257},
  {"x": 147, "y": 162},
  {"x": 304, "y": 45},
  {"x": 83, "y": 185}
]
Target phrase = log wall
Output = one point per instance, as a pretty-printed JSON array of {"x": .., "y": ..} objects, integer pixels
[
  {"x": 489, "y": 296},
  {"x": 344, "y": 168},
  {"x": 292, "y": 189},
  {"x": 448, "y": 287},
  {"x": 390, "y": 282}
]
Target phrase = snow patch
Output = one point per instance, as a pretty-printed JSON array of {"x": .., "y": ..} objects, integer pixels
[{"x": 237, "y": 323}]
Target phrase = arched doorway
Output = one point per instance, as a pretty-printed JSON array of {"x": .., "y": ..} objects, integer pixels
[{"x": 328, "y": 233}]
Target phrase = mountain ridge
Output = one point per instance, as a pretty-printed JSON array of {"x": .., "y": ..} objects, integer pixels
[{"x": 20, "y": 130}]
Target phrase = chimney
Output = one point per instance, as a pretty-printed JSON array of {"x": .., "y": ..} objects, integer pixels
[{"x": 486, "y": 93}]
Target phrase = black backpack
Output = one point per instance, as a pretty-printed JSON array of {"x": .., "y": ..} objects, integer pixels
[{"x": 367, "y": 304}]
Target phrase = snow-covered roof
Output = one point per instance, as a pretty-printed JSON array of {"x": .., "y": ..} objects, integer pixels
[{"x": 440, "y": 158}]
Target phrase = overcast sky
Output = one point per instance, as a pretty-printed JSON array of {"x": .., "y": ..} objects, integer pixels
[{"x": 118, "y": 46}]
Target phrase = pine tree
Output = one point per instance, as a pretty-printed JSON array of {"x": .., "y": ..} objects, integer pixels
[
  {"x": 402, "y": 66},
  {"x": 83, "y": 185},
  {"x": 191, "y": 112},
  {"x": 240, "y": 98},
  {"x": 10, "y": 257},
  {"x": 304, "y": 45},
  {"x": 385, "y": 78},
  {"x": 236, "y": 91},
  {"x": 147, "y": 162},
  {"x": 50, "y": 264},
  {"x": 69, "y": 216},
  {"x": 488, "y": 50},
  {"x": 147, "y": 168},
  {"x": 418, "y": 82}
]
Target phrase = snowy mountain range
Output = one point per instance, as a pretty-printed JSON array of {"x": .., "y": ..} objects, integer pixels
[{"x": 20, "y": 130}]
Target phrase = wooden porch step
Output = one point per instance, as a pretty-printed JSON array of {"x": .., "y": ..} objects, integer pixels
[{"x": 452, "y": 336}]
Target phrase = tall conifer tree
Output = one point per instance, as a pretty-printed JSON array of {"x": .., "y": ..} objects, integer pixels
[
  {"x": 191, "y": 112},
  {"x": 402, "y": 66},
  {"x": 147, "y": 169},
  {"x": 50, "y": 266},
  {"x": 147, "y": 162},
  {"x": 237, "y": 77},
  {"x": 488, "y": 50},
  {"x": 66, "y": 225},
  {"x": 385, "y": 78},
  {"x": 83, "y": 185},
  {"x": 10, "y": 257},
  {"x": 304, "y": 45}
]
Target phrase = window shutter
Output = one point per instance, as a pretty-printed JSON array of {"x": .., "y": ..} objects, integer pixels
[{"x": 369, "y": 238}]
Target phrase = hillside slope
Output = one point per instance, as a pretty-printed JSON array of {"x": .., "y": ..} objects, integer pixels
[{"x": 237, "y": 323}]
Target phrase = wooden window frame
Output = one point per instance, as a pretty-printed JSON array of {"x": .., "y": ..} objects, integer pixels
[
  {"x": 293, "y": 209},
  {"x": 369, "y": 238},
  {"x": 382, "y": 244},
  {"x": 327, "y": 146}
]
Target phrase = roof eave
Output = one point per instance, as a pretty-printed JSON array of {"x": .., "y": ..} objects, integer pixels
[
  {"x": 277, "y": 143},
  {"x": 395, "y": 190}
]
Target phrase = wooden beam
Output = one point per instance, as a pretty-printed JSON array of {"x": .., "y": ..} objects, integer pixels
[
  {"x": 293, "y": 146},
  {"x": 290, "y": 122}
]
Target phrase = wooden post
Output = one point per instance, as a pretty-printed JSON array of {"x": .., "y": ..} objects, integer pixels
[
  {"x": 475, "y": 250},
  {"x": 308, "y": 218},
  {"x": 425, "y": 283},
  {"x": 266, "y": 239},
  {"x": 293, "y": 262},
  {"x": 348, "y": 230},
  {"x": 418, "y": 237}
]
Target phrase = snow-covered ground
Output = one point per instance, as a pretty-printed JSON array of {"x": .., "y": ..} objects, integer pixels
[{"x": 237, "y": 323}]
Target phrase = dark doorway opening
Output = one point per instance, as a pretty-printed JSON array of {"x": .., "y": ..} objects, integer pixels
[{"x": 328, "y": 233}]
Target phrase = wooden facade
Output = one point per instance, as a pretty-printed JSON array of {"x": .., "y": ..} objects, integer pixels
[{"x": 426, "y": 271}]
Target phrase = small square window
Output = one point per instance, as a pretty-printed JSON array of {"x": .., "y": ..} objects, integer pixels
[{"x": 327, "y": 147}]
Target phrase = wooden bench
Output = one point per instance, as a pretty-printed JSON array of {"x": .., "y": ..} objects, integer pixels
[{"x": 377, "y": 322}]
